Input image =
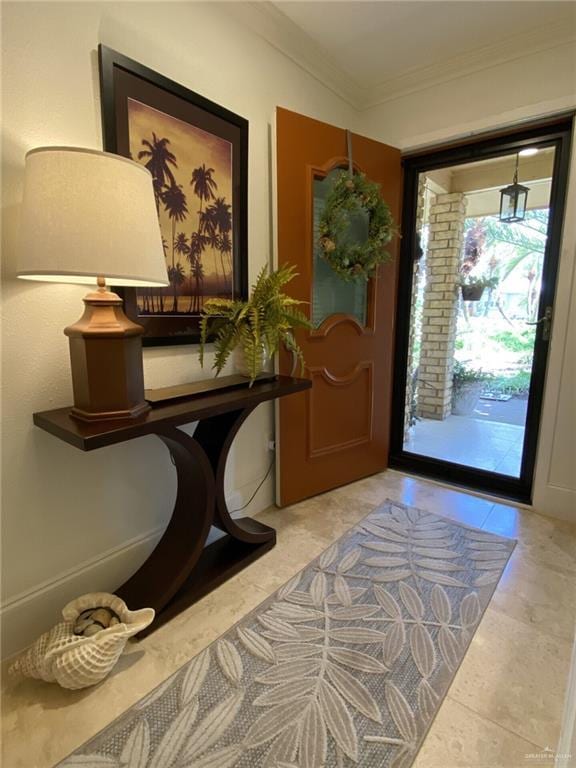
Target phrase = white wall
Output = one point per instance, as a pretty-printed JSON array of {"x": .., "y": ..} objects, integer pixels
[
  {"x": 527, "y": 88},
  {"x": 555, "y": 481},
  {"x": 75, "y": 522}
]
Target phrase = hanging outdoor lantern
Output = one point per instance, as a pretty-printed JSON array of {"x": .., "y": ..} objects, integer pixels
[{"x": 513, "y": 200}]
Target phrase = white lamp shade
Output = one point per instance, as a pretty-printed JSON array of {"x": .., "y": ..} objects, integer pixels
[{"x": 87, "y": 214}]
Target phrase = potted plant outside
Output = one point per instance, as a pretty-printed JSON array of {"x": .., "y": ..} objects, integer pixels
[
  {"x": 473, "y": 287},
  {"x": 256, "y": 328},
  {"x": 467, "y": 384}
]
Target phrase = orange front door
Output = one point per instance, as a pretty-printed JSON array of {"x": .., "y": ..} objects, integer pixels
[{"x": 338, "y": 431}]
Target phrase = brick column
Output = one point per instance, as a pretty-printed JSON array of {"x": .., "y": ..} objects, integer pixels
[
  {"x": 440, "y": 305},
  {"x": 421, "y": 214}
]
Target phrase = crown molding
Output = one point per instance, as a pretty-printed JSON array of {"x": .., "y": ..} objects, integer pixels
[
  {"x": 510, "y": 49},
  {"x": 267, "y": 21},
  {"x": 270, "y": 23}
]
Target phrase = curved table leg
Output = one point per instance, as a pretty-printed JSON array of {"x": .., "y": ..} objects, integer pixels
[
  {"x": 181, "y": 546},
  {"x": 182, "y": 569},
  {"x": 216, "y": 435}
]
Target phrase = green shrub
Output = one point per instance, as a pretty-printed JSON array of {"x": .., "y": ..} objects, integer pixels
[
  {"x": 515, "y": 342},
  {"x": 515, "y": 384},
  {"x": 462, "y": 375}
]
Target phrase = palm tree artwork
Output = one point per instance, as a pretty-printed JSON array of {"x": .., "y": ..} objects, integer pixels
[
  {"x": 204, "y": 185},
  {"x": 181, "y": 246},
  {"x": 210, "y": 230},
  {"x": 220, "y": 218},
  {"x": 197, "y": 245},
  {"x": 176, "y": 207},
  {"x": 158, "y": 160},
  {"x": 198, "y": 275},
  {"x": 225, "y": 248},
  {"x": 176, "y": 276},
  {"x": 192, "y": 182}
]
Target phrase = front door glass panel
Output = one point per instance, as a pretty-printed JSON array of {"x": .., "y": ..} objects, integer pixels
[{"x": 330, "y": 294}]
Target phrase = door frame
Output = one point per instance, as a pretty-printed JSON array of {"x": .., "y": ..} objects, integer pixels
[{"x": 557, "y": 134}]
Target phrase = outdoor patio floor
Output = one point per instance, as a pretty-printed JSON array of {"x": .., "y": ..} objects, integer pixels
[{"x": 474, "y": 442}]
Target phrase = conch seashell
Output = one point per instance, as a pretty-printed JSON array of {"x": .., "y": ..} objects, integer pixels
[{"x": 77, "y": 662}]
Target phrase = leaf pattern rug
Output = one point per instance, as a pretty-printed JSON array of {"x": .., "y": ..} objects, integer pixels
[{"x": 346, "y": 665}]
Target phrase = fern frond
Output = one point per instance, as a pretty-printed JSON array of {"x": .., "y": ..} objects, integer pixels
[
  {"x": 258, "y": 325},
  {"x": 292, "y": 346},
  {"x": 218, "y": 307},
  {"x": 296, "y": 318},
  {"x": 225, "y": 342}
]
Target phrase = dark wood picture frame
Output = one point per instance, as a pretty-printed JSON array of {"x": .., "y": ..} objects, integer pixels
[{"x": 122, "y": 79}]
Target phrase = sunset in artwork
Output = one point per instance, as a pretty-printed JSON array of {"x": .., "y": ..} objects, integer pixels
[{"x": 192, "y": 178}]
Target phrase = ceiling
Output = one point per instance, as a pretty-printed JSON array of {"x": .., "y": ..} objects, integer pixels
[
  {"x": 494, "y": 172},
  {"x": 370, "y": 52}
]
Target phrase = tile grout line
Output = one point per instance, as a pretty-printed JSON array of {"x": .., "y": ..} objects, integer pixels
[{"x": 487, "y": 516}]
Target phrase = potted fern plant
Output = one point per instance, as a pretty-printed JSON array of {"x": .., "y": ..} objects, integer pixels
[{"x": 255, "y": 328}]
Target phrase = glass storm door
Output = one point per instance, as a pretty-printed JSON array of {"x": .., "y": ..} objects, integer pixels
[
  {"x": 338, "y": 431},
  {"x": 477, "y": 309}
]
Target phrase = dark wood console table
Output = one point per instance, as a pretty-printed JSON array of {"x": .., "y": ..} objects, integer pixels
[{"x": 182, "y": 568}]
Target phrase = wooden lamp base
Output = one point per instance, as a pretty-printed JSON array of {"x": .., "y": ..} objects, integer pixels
[{"x": 106, "y": 360}]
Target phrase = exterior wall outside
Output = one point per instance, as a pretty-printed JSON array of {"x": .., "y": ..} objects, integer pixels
[{"x": 440, "y": 305}]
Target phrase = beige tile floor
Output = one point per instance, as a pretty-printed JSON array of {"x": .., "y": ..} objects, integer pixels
[{"x": 505, "y": 703}]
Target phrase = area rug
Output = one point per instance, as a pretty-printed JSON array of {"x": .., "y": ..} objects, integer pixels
[{"x": 346, "y": 665}]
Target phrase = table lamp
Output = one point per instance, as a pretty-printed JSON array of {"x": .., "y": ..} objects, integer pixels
[{"x": 88, "y": 217}]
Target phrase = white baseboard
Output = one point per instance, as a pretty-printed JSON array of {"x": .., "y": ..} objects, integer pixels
[
  {"x": 25, "y": 616},
  {"x": 555, "y": 501}
]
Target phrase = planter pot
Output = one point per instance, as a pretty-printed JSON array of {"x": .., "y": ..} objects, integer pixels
[
  {"x": 465, "y": 401},
  {"x": 472, "y": 292},
  {"x": 241, "y": 367}
]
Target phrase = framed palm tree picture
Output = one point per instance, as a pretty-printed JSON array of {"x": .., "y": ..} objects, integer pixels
[{"x": 197, "y": 153}]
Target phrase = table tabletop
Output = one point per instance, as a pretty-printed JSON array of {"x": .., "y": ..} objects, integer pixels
[{"x": 88, "y": 436}]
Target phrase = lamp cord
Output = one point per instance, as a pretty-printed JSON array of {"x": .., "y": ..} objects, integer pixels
[{"x": 260, "y": 484}]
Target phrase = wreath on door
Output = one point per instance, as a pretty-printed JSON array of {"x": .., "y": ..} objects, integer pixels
[{"x": 351, "y": 194}]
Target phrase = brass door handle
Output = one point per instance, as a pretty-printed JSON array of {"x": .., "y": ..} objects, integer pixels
[{"x": 546, "y": 321}]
